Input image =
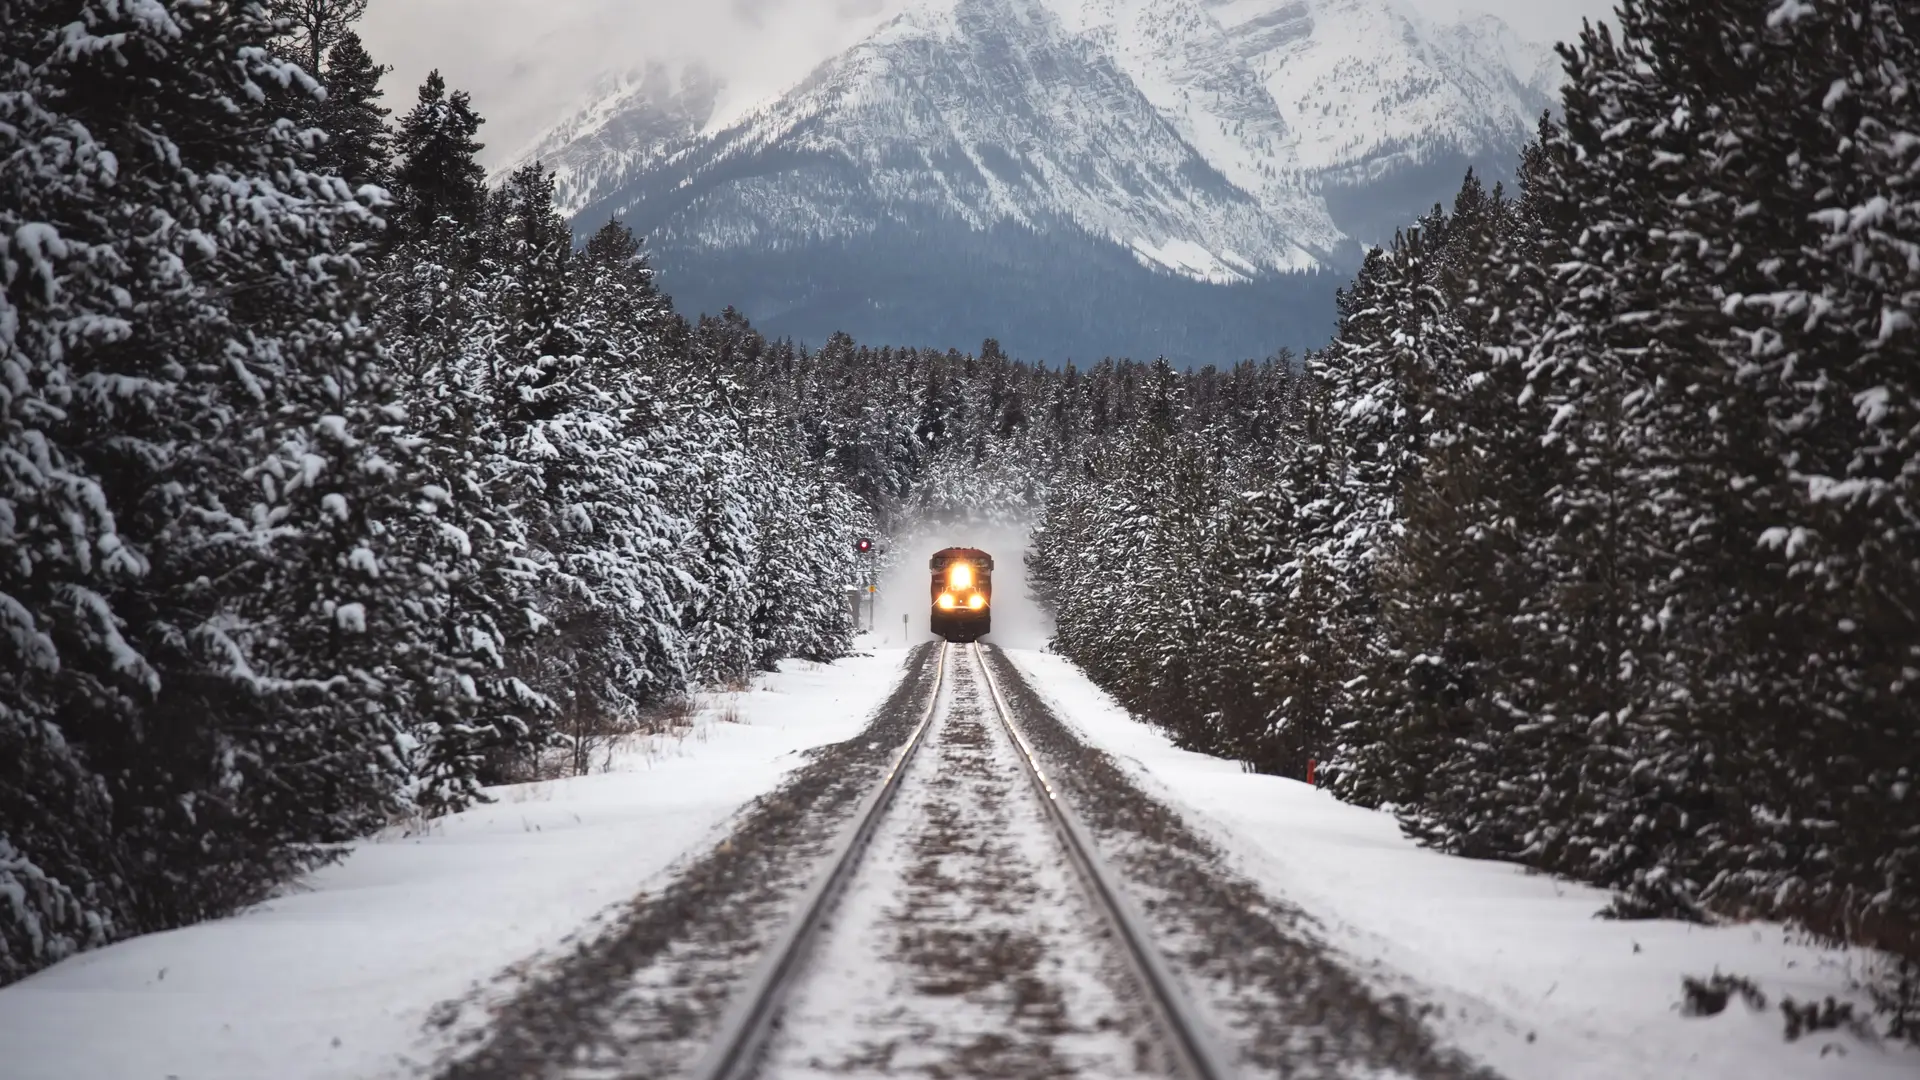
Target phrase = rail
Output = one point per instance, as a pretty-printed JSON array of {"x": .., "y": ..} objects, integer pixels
[
  {"x": 745, "y": 1028},
  {"x": 1196, "y": 1053},
  {"x": 751, "y": 1020}
]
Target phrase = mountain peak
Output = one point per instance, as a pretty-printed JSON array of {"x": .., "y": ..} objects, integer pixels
[
  {"x": 633, "y": 116},
  {"x": 1218, "y": 141}
]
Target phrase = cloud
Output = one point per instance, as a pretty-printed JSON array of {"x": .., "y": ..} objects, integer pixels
[{"x": 527, "y": 62}]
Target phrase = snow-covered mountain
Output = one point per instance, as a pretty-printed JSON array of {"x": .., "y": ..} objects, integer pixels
[
  {"x": 634, "y": 119},
  {"x": 1033, "y": 161}
]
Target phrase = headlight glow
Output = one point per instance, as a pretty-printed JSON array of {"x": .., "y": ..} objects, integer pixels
[
  {"x": 945, "y": 601},
  {"x": 960, "y": 576},
  {"x": 976, "y": 601}
]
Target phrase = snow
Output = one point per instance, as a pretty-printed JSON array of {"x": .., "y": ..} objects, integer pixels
[
  {"x": 334, "y": 979},
  {"x": 1531, "y": 983},
  {"x": 874, "y": 991},
  {"x": 1196, "y": 125},
  {"x": 1356, "y": 78},
  {"x": 1188, "y": 258},
  {"x": 351, "y": 618}
]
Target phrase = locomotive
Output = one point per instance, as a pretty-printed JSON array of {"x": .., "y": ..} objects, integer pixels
[{"x": 962, "y": 593}]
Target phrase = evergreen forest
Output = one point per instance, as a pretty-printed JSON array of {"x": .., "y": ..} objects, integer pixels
[
  {"x": 1592, "y": 541},
  {"x": 337, "y": 484}
]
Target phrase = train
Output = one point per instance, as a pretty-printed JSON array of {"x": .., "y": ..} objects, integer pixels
[{"x": 962, "y": 593}]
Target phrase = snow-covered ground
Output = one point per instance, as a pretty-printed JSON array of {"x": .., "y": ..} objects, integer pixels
[
  {"x": 1531, "y": 983},
  {"x": 335, "y": 978}
]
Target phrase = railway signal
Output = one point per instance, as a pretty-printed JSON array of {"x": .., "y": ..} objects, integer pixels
[{"x": 864, "y": 546}]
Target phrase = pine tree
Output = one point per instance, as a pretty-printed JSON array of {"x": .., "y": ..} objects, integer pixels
[
  {"x": 1370, "y": 376},
  {"x": 1475, "y": 545},
  {"x": 357, "y": 148},
  {"x": 192, "y": 427},
  {"x": 459, "y": 338},
  {"x": 600, "y": 435},
  {"x": 1292, "y": 577},
  {"x": 1797, "y": 227},
  {"x": 314, "y": 28},
  {"x": 438, "y": 183},
  {"x": 723, "y": 550}
]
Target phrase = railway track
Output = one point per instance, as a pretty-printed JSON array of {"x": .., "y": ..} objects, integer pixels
[{"x": 1183, "y": 1041}]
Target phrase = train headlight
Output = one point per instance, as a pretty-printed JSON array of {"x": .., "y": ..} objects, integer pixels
[
  {"x": 976, "y": 601},
  {"x": 960, "y": 576},
  {"x": 945, "y": 601}
]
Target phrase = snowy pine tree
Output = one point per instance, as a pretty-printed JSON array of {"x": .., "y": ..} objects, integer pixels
[
  {"x": 192, "y": 425},
  {"x": 351, "y": 114},
  {"x": 459, "y": 344}
]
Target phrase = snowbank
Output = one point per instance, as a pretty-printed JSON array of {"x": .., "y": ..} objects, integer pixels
[
  {"x": 335, "y": 978},
  {"x": 1530, "y": 982}
]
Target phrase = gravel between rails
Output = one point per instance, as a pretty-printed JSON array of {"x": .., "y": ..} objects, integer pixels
[
  {"x": 964, "y": 945},
  {"x": 1292, "y": 1008},
  {"x": 639, "y": 998}
]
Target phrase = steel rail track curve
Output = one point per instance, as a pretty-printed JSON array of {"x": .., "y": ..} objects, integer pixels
[
  {"x": 753, "y": 1017},
  {"x": 1196, "y": 1052}
]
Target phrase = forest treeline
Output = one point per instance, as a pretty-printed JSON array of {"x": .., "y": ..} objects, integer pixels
[
  {"x": 334, "y": 483},
  {"x": 337, "y": 484},
  {"x": 1593, "y": 540}
]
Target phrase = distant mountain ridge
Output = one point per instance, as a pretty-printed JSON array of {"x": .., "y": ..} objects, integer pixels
[{"x": 1074, "y": 177}]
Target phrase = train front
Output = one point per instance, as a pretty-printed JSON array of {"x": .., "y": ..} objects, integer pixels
[{"x": 962, "y": 594}]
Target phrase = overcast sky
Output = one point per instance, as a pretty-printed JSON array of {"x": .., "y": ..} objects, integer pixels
[{"x": 527, "y": 61}]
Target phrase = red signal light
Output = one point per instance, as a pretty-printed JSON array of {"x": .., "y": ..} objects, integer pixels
[{"x": 863, "y": 544}]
